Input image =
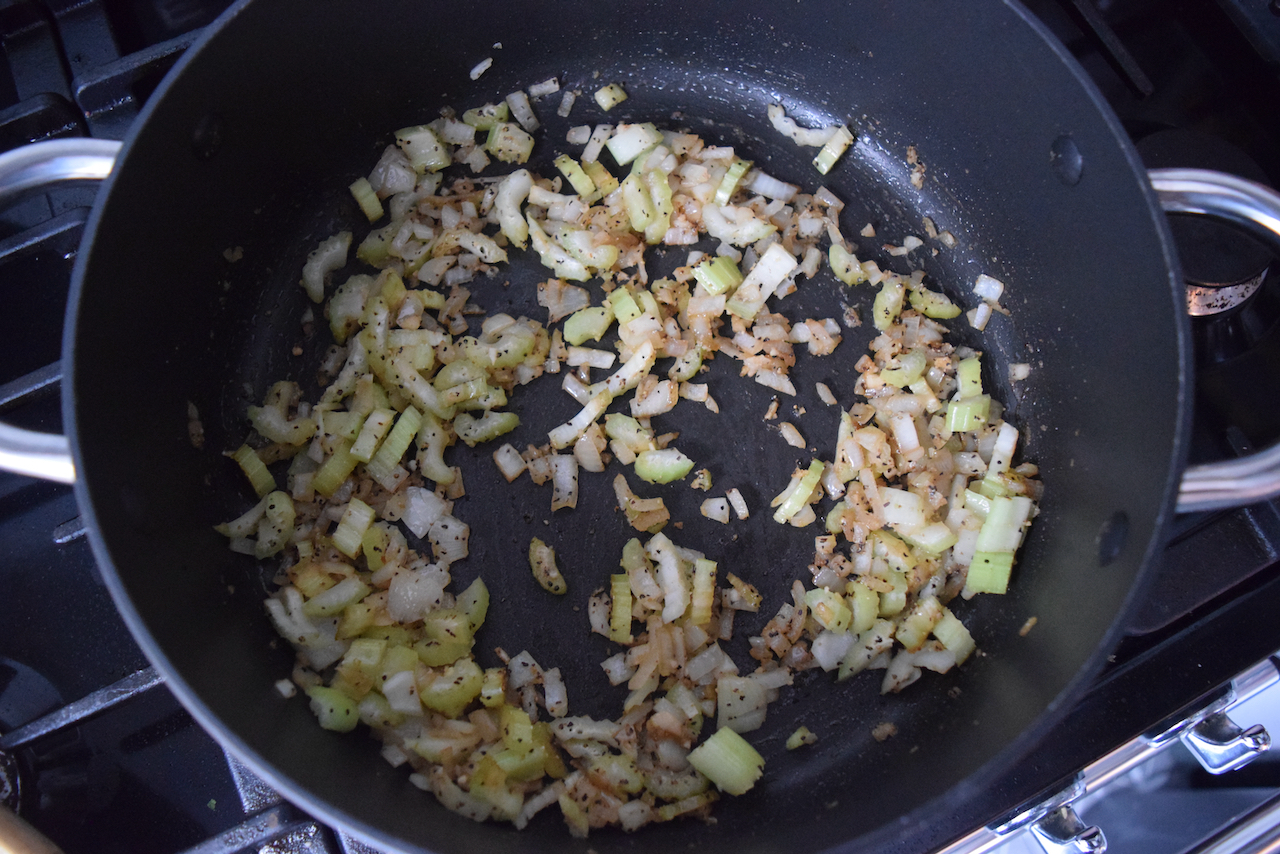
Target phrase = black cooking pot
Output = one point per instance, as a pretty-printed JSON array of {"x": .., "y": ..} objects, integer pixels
[{"x": 249, "y": 146}]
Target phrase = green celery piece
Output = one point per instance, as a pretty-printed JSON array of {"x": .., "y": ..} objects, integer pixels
[
  {"x": 255, "y": 470},
  {"x": 801, "y": 494},
  {"x": 729, "y": 761},
  {"x": 393, "y": 447},
  {"x": 348, "y": 537},
  {"x": 845, "y": 265},
  {"x": 989, "y": 572},
  {"x": 335, "y": 470},
  {"x": 888, "y": 303},
  {"x": 830, "y": 153},
  {"x": 729, "y": 183},
  {"x": 587, "y": 323},
  {"x": 454, "y": 688},
  {"x": 662, "y": 466},
  {"x": 620, "y": 610},
  {"x": 968, "y": 413},
  {"x": 575, "y": 175},
  {"x": 334, "y": 709},
  {"x": 933, "y": 304},
  {"x": 367, "y": 199},
  {"x": 718, "y": 275},
  {"x": 474, "y": 431},
  {"x": 969, "y": 375},
  {"x": 829, "y": 609},
  {"x": 474, "y": 602},
  {"x": 483, "y": 118}
]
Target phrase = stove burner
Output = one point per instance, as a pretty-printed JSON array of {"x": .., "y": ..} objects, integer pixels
[
  {"x": 1208, "y": 300},
  {"x": 1223, "y": 266}
]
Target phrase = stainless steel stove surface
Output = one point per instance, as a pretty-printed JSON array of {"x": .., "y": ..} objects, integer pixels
[{"x": 97, "y": 754}]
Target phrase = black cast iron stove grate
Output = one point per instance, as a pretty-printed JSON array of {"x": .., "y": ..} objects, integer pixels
[{"x": 109, "y": 762}]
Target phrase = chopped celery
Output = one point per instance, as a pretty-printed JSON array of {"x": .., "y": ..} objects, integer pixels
[
  {"x": 604, "y": 181},
  {"x": 346, "y": 306},
  {"x": 453, "y": 689},
  {"x": 795, "y": 498},
  {"x": 662, "y": 466},
  {"x": 717, "y": 275},
  {"x": 542, "y": 560},
  {"x": 969, "y": 375},
  {"x": 687, "y": 366},
  {"x": 893, "y": 601},
  {"x": 474, "y": 431},
  {"x": 367, "y": 652},
  {"x": 493, "y": 689},
  {"x": 865, "y": 605},
  {"x": 440, "y": 653},
  {"x": 272, "y": 421},
  {"x": 335, "y": 710},
  {"x": 610, "y": 96},
  {"x": 933, "y": 304},
  {"x": 348, "y": 537},
  {"x": 835, "y": 146},
  {"x": 914, "y": 630},
  {"x": 587, "y": 323},
  {"x": 800, "y": 738},
  {"x": 845, "y": 265},
  {"x": 895, "y": 552},
  {"x": 375, "y": 427},
  {"x": 424, "y": 149},
  {"x": 483, "y": 118},
  {"x": 623, "y": 305},
  {"x": 966, "y": 414},
  {"x": 397, "y": 658},
  {"x": 729, "y": 183},
  {"x": 1002, "y": 529},
  {"x": 374, "y": 545},
  {"x": 773, "y": 268},
  {"x": 577, "y": 177},
  {"x": 619, "y": 772},
  {"x": 335, "y": 470},
  {"x": 629, "y": 141},
  {"x": 458, "y": 373},
  {"x": 375, "y": 249},
  {"x": 704, "y": 591},
  {"x": 663, "y": 206},
  {"x": 395, "y": 444},
  {"x": 888, "y": 303},
  {"x": 729, "y": 761},
  {"x": 276, "y": 528},
  {"x": 554, "y": 256},
  {"x": 432, "y": 438},
  {"x": 989, "y": 572},
  {"x": 367, "y": 199},
  {"x": 334, "y": 600},
  {"x": 620, "y": 609},
  {"x": 255, "y": 470},
  {"x": 474, "y": 602},
  {"x": 911, "y": 366},
  {"x": 638, "y": 202},
  {"x": 517, "y": 729},
  {"x": 628, "y": 431},
  {"x": 829, "y": 609},
  {"x": 509, "y": 143},
  {"x": 934, "y": 538},
  {"x": 343, "y": 424},
  {"x": 954, "y": 635}
]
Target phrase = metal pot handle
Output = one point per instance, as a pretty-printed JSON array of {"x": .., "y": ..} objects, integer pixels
[
  {"x": 1255, "y": 209},
  {"x": 26, "y": 170}
]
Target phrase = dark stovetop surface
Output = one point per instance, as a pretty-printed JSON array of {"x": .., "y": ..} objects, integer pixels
[{"x": 144, "y": 777}]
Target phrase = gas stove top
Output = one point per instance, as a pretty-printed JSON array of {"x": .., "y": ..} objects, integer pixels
[{"x": 100, "y": 757}]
